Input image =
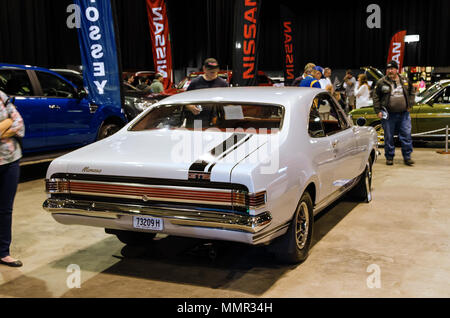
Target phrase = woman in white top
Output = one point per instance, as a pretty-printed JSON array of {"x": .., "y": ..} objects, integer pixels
[{"x": 362, "y": 92}]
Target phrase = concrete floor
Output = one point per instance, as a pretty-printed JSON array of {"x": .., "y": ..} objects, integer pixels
[{"x": 402, "y": 237}]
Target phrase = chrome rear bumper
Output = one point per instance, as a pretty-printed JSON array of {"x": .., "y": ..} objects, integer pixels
[{"x": 178, "y": 216}]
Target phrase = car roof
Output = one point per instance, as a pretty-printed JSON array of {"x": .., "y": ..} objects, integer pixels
[
  {"x": 65, "y": 70},
  {"x": 23, "y": 67},
  {"x": 265, "y": 95}
]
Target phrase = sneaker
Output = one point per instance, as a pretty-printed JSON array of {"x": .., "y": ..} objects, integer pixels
[
  {"x": 409, "y": 162},
  {"x": 389, "y": 162}
]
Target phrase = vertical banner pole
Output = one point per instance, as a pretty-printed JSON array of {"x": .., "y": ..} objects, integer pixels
[{"x": 118, "y": 47}]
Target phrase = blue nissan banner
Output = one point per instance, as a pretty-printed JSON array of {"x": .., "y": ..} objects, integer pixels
[{"x": 98, "y": 52}]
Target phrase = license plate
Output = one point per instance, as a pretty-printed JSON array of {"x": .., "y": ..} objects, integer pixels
[{"x": 148, "y": 223}]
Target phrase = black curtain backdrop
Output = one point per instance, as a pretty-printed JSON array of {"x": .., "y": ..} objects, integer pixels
[{"x": 333, "y": 34}]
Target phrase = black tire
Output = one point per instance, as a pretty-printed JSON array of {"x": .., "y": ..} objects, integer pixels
[
  {"x": 293, "y": 247},
  {"x": 362, "y": 191},
  {"x": 107, "y": 130},
  {"x": 132, "y": 238}
]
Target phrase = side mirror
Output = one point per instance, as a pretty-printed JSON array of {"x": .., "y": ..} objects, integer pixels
[
  {"x": 361, "y": 121},
  {"x": 82, "y": 94}
]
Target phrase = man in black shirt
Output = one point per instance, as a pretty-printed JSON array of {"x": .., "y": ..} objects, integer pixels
[{"x": 209, "y": 79}]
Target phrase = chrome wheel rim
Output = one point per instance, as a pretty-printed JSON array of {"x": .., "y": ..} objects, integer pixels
[{"x": 302, "y": 225}]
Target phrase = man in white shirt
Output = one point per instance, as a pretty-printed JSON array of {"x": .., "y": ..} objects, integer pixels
[{"x": 326, "y": 80}]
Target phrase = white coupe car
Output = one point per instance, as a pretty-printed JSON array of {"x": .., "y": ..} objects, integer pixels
[{"x": 247, "y": 164}]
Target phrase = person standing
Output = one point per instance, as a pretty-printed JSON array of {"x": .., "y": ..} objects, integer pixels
[
  {"x": 11, "y": 126},
  {"x": 131, "y": 79},
  {"x": 349, "y": 85},
  {"x": 210, "y": 79},
  {"x": 312, "y": 80},
  {"x": 157, "y": 86},
  {"x": 326, "y": 80},
  {"x": 392, "y": 101},
  {"x": 307, "y": 71},
  {"x": 143, "y": 84},
  {"x": 362, "y": 92}
]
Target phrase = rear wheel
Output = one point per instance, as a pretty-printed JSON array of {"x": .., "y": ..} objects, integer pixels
[
  {"x": 363, "y": 189},
  {"x": 132, "y": 238},
  {"x": 294, "y": 246}
]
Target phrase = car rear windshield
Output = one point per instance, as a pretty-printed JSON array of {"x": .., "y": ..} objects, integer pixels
[{"x": 222, "y": 116}]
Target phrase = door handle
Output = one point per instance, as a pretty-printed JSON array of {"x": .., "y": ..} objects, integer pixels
[
  {"x": 54, "y": 107},
  {"x": 334, "y": 143}
]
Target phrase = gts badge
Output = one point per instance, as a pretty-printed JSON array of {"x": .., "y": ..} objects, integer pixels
[
  {"x": 87, "y": 169},
  {"x": 199, "y": 176}
]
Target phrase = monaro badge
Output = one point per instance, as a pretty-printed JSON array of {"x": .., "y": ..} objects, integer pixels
[{"x": 87, "y": 169}]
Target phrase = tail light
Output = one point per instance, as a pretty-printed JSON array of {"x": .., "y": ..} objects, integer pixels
[
  {"x": 57, "y": 186},
  {"x": 175, "y": 195}
]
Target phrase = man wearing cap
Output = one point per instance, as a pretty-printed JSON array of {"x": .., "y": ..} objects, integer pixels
[
  {"x": 157, "y": 86},
  {"x": 392, "y": 100},
  {"x": 209, "y": 79},
  {"x": 312, "y": 80}
]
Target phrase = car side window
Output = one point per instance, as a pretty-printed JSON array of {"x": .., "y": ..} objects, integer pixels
[
  {"x": 15, "y": 83},
  {"x": 53, "y": 86},
  {"x": 443, "y": 97},
  {"x": 315, "y": 128},
  {"x": 331, "y": 116},
  {"x": 339, "y": 111}
]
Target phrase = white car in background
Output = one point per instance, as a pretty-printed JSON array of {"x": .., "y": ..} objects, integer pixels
[{"x": 267, "y": 162}]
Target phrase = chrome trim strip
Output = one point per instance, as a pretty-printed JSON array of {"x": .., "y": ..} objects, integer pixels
[
  {"x": 335, "y": 195},
  {"x": 150, "y": 198},
  {"x": 263, "y": 235},
  {"x": 183, "y": 217},
  {"x": 154, "y": 186}
]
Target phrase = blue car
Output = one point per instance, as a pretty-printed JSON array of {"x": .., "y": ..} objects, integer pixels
[{"x": 57, "y": 116}]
